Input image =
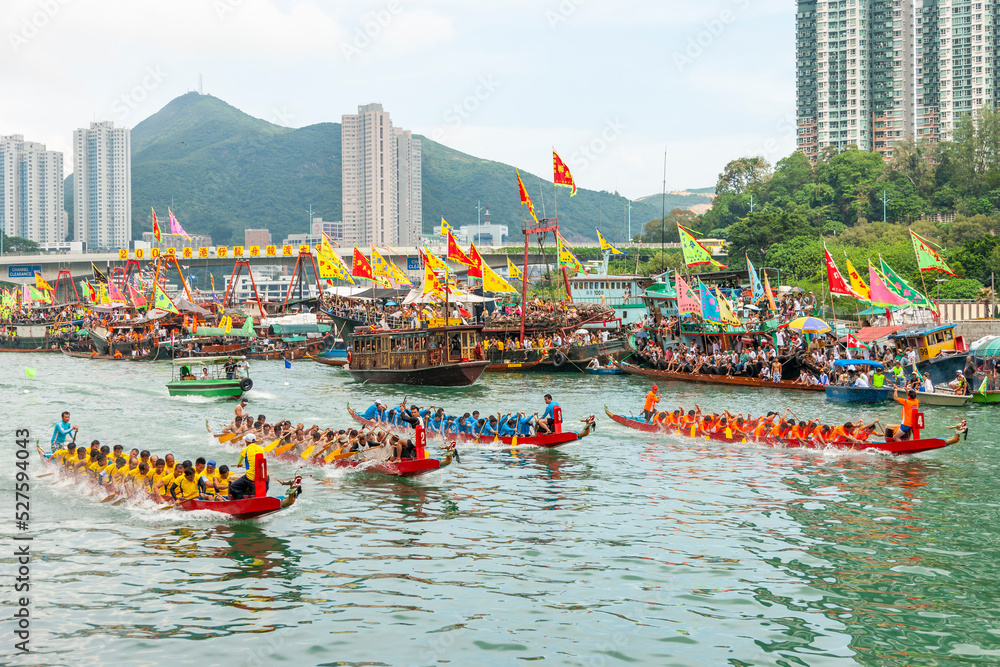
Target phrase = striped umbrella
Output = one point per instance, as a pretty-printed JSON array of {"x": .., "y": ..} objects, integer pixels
[{"x": 809, "y": 325}]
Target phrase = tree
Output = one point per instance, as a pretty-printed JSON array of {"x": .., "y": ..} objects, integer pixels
[
  {"x": 758, "y": 232},
  {"x": 652, "y": 230},
  {"x": 743, "y": 173},
  {"x": 960, "y": 288},
  {"x": 16, "y": 244}
]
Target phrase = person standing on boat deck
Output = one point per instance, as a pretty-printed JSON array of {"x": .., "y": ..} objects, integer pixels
[
  {"x": 62, "y": 429},
  {"x": 244, "y": 486},
  {"x": 649, "y": 407},
  {"x": 911, "y": 405}
]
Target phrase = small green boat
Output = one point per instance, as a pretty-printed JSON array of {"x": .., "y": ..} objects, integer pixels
[
  {"x": 227, "y": 377},
  {"x": 988, "y": 397}
]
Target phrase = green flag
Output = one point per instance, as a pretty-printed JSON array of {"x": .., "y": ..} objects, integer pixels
[
  {"x": 982, "y": 387},
  {"x": 163, "y": 302},
  {"x": 927, "y": 258},
  {"x": 248, "y": 324},
  {"x": 895, "y": 284},
  {"x": 29, "y": 373}
]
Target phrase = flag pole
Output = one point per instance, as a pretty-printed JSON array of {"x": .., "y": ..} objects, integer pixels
[
  {"x": 829, "y": 288},
  {"x": 937, "y": 313}
]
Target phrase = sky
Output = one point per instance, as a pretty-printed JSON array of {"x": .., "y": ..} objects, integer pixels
[{"x": 613, "y": 86}]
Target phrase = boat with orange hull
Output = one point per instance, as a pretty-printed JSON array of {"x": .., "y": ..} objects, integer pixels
[
  {"x": 915, "y": 445},
  {"x": 547, "y": 440},
  {"x": 246, "y": 508}
]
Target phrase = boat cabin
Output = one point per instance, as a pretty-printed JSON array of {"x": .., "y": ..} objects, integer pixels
[
  {"x": 929, "y": 342},
  {"x": 620, "y": 292},
  {"x": 218, "y": 368},
  {"x": 406, "y": 349}
]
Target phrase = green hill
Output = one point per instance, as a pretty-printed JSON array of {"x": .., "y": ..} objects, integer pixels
[{"x": 222, "y": 171}]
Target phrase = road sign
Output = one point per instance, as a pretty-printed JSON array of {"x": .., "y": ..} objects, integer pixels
[
  {"x": 412, "y": 263},
  {"x": 23, "y": 271}
]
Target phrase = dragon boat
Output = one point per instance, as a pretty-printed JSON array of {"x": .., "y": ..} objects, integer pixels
[
  {"x": 914, "y": 444},
  {"x": 548, "y": 440},
  {"x": 246, "y": 508}
]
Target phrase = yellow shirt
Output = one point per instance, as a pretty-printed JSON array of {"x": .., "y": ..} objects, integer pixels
[
  {"x": 95, "y": 468},
  {"x": 223, "y": 483},
  {"x": 185, "y": 489},
  {"x": 248, "y": 457},
  {"x": 157, "y": 479},
  {"x": 118, "y": 475},
  {"x": 58, "y": 456}
]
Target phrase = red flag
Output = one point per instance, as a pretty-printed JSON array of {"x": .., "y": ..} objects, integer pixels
[
  {"x": 525, "y": 199},
  {"x": 560, "y": 173},
  {"x": 156, "y": 227},
  {"x": 476, "y": 268},
  {"x": 360, "y": 268},
  {"x": 837, "y": 283},
  {"x": 455, "y": 253},
  {"x": 853, "y": 343},
  {"x": 138, "y": 300}
]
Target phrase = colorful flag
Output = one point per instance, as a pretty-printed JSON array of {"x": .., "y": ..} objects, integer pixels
[
  {"x": 853, "y": 343},
  {"x": 607, "y": 246},
  {"x": 687, "y": 300},
  {"x": 445, "y": 227},
  {"x": 513, "y": 271},
  {"x": 30, "y": 372},
  {"x": 560, "y": 173},
  {"x": 982, "y": 387},
  {"x": 115, "y": 294},
  {"x": 768, "y": 293},
  {"x": 175, "y": 227},
  {"x": 163, "y": 302},
  {"x": 104, "y": 293},
  {"x": 40, "y": 282},
  {"x": 432, "y": 285},
  {"x": 756, "y": 288},
  {"x": 248, "y": 324},
  {"x": 726, "y": 310},
  {"x": 288, "y": 364},
  {"x": 695, "y": 254},
  {"x": 476, "y": 269},
  {"x": 710, "y": 310},
  {"x": 858, "y": 285},
  {"x": 98, "y": 274},
  {"x": 380, "y": 265},
  {"x": 567, "y": 258},
  {"x": 332, "y": 266},
  {"x": 834, "y": 279},
  {"x": 895, "y": 284},
  {"x": 455, "y": 253},
  {"x": 38, "y": 295},
  {"x": 360, "y": 268},
  {"x": 880, "y": 295},
  {"x": 433, "y": 261},
  {"x": 525, "y": 199},
  {"x": 138, "y": 300},
  {"x": 493, "y": 282},
  {"x": 156, "y": 227},
  {"x": 927, "y": 258}
]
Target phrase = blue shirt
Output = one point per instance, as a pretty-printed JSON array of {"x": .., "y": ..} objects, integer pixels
[
  {"x": 434, "y": 425},
  {"x": 372, "y": 412},
  {"x": 471, "y": 425},
  {"x": 524, "y": 426},
  {"x": 550, "y": 410},
  {"x": 61, "y": 431},
  {"x": 488, "y": 429},
  {"x": 506, "y": 429}
]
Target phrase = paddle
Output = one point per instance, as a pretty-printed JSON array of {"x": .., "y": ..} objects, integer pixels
[
  {"x": 284, "y": 448},
  {"x": 48, "y": 474},
  {"x": 226, "y": 437},
  {"x": 177, "y": 504},
  {"x": 119, "y": 502},
  {"x": 111, "y": 497},
  {"x": 270, "y": 447}
]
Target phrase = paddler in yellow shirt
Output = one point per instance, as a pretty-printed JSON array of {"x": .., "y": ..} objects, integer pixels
[
  {"x": 207, "y": 479},
  {"x": 222, "y": 479},
  {"x": 79, "y": 466},
  {"x": 64, "y": 455},
  {"x": 244, "y": 486},
  {"x": 185, "y": 488},
  {"x": 159, "y": 477},
  {"x": 120, "y": 472}
]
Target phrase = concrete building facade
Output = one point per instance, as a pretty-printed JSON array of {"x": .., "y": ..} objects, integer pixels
[
  {"x": 31, "y": 191},
  {"x": 102, "y": 186}
]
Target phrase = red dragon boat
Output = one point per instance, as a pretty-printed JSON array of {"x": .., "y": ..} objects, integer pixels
[
  {"x": 548, "y": 440},
  {"x": 246, "y": 508},
  {"x": 913, "y": 445}
]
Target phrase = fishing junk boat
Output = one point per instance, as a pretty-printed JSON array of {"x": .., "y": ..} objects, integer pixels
[{"x": 436, "y": 356}]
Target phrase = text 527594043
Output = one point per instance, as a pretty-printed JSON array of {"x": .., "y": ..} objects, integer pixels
[{"x": 22, "y": 546}]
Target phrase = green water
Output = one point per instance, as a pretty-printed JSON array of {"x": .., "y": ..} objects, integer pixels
[{"x": 620, "y": 549}]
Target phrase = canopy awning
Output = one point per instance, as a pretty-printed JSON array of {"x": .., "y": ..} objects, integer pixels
[
  {"x": 206, "y": 361},
  {"x": 216, "y": 331},
  {"x": 988, "y": 350},
  {"x": 296, "y": 329},
  {"x": 843, "y": 363},
  {"x": 186, "y": 306}
]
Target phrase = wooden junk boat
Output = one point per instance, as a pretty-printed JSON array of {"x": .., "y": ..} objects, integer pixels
[
  {"x": 911, "y": 445},
  {"x": 438, "y": 356},
  {"x": 246, "y": 508},
  {"x": 548, "y": 440}
]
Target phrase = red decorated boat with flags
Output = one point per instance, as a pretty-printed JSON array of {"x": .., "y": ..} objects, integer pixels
[{"x": 914, "y": 444}]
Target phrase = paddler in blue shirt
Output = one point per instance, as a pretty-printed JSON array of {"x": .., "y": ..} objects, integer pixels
[
  {"x": 508, "y": 427},
  {"x": 472, "y": 423},
  {"x": 63, "y": 428},
  {"x": 490, "y": 427},
  {"x": 453, "y": 426},
  {"x": 436, "y": 423},
  {"x": 524, "y": 423},
  {"x": 375, "y": 412}
]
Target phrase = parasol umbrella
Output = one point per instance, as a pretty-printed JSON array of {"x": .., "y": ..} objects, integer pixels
[
  {"x": 797, "y": 290},
  {"x": 809, "y": 325},
  {"x": 751, "y": 307}
]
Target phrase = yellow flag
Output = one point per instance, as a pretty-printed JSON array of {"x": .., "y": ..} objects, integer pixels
[
  {"x": 726, "y": 310},
  {"x": 445, "y": 227},
  {"x": 493, "y": 282},
  {"x": 398, "y": 276},
  {"x": 104, "y": 293},
  {"x": 326, "y": 246},
  {"x": 433, "y": 261},
  {"x": 567, "y": 258},
  {"x": 431, "y": 283},
  {"x": 607, "y": 246},
  {"x": 379, "y": 264},
  {"x": 513, "y": 271},
  {"x": 40, "y": 282},
  {"x": 857, "y": 282},
  {"x": 331, "y": 266}
]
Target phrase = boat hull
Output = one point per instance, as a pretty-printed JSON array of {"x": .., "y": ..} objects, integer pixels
[
  {"x": 547, "y": 440},
  {"x": 209, "y": 388},
  {"x": 670, "y": 376},
  {"x": 903, "y": 447},
  {"x": 446, "y": 375},
  {"x": 990, "y": 397},
  {"x": 883, "y": 394}
]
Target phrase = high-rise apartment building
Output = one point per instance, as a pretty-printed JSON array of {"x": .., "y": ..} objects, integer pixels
[
  {"x": 371, "y": 178},
  {"x": 102, "y": 186},
  {"x": 871, "y": 73},
  {"x": 257, "y": 237},
  {"x": 31, "y": 191}
]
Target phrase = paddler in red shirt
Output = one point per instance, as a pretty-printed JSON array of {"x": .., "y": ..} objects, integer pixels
[{"x": 911, "y": 406}]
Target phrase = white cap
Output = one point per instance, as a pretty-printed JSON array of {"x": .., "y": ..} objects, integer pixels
[{"x": 250, "y": 437}]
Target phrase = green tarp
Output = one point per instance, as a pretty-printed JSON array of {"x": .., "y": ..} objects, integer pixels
[
  {"x": 298, "y": 329},
  {"x": 212, "y": 331}
]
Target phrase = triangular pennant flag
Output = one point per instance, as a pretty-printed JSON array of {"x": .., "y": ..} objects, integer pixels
[
  {"x": 687, "y": 300},
  {"x": 434, "y": 261},
  {"x": 115, "y": 294},
  {"x": 895, "y": 284},
  {"x": 445, "y": 227},
  {"x": 331, "y": 266},
  {"x": 567, "y": 258},
  {"x": 98, "y": 274},
  {"x": 710, "y": 309},
  {"x": 525, "y": 199},
  {"x": 163, "y": 302},
  {"x": 756, "y": 288},
  {"x": 695, "y": 254},
  {"x": 513, "y": 271},
  {"x": 834, "y": 279},
  {"x": 360, "y": 268},
  {"x": 476, "y": 268},
  {"x": 768, "y": 293},
  {"x": 138, "y": 300},
  {"x": 927, "y": 258},
  {"x": 858, "y": 285},
  {"x": 380, "y": 265},
  {"x": 607, "y": 246},
  {"x": 156, "y": 227},
  {"x": 431, "y": 284},
  {"x": 726, "y": 314},
  {"x": 175, "y": 227},
  {"x": 560, "y": 173},
  {"x": 880, "y": 295},
  {"x": 493, "y": 282},
  {"x": 455, "y": 253},
  {"x": 40, "y": 282}
]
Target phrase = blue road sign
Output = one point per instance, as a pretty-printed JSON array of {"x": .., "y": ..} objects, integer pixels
[{"x": 23, "y": 271}]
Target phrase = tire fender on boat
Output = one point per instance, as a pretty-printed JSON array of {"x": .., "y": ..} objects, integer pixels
[
  {"x": 246, "y": 384},
  {"x": 559, "y": 359}
]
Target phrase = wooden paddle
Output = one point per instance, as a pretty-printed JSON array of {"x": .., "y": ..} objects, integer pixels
[
  {"x": 177, "y": 504},
  {"x": 337, "y": 456},
  {"x": 48, "y": 474},
  {"x": 284, "y": 448},
  {"x": 270, "y": 447},
  {"x": 226, "y": 437},
  {"x": 111, "y": 497}
]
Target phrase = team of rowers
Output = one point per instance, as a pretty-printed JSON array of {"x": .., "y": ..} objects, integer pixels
[
  {"x": 437, "y": 422},
  {"x": 773, "y": 425}
]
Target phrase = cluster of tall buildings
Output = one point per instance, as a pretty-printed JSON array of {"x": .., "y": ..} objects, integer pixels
[
  {"x": 32, "y": 203},
  {"x": 872, "y": 73}
]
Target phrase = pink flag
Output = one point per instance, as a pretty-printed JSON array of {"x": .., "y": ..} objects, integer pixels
[
  {"x": 880, "y": 295},
  {"x": 687, "y": 300},
  {"x": 175, "y": 227},
  {"x": 114, "y": 294},
  {"x": 836, "y": 281},
  {"x": 138, "y": 300}
]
